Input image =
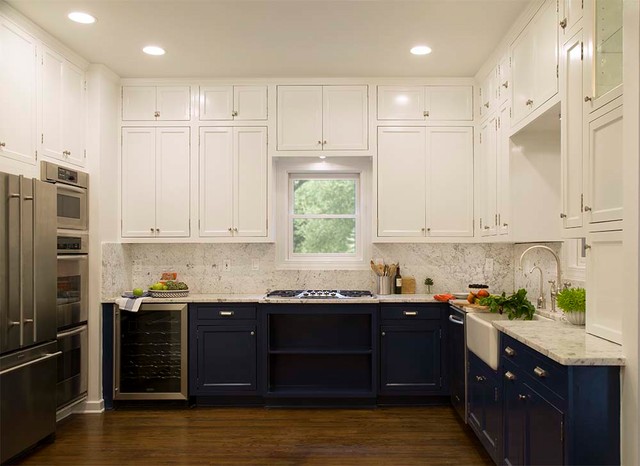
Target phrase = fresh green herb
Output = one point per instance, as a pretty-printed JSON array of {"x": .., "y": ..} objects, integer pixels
[
  {"x": 572, "y": 300},
  {"x": 516, "y": 306},
  {"x": 428, "y": 281}
]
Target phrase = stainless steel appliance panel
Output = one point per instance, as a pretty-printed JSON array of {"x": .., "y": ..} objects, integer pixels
[
  {"x": 72, "y": 366},
  {"x": 71, "y": 195},
  {"x": 150, "y": 360},
  {"x": 72, "y": 242},
  {"x": 28, "y": 401},
  {"x": 73, "y": 288}
]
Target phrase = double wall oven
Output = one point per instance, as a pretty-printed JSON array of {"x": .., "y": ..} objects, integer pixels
[{"x": 73, "y": 280}]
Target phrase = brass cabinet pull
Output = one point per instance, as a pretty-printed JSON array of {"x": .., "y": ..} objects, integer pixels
[
  {"x": 156, "y": 114},
  {"x": 588, "y": 99},
  {"x": 509, "y": 375},
  {"x": 505, "y": 84},
  {"x": 410, "y": 313},
  {"x": 226, "y": 313},
  {"x": 3, "y": 144},
  {"x": 234, "y": 113},
  {"x": 510, "y": 351},
  {"x": 563, "y": 23},
  {"x": 425, "y": 113},
  {"x": 522, "y": 397},
  {"x": 540, "y": 372}
]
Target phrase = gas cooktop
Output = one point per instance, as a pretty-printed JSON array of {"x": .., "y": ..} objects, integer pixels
[{"x": 320, "y": 294}]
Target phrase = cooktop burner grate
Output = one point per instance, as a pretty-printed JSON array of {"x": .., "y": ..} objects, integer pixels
[{"x": 320, "y": 294}]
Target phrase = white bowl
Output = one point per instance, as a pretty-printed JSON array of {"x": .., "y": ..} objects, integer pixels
[{"x": 576, "y": 318}]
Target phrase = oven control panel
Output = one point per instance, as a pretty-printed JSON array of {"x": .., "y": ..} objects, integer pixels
[{"x": 72, "y": 244}]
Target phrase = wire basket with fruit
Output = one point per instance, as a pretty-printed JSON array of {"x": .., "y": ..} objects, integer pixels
[{"x": 169, "y": 289}]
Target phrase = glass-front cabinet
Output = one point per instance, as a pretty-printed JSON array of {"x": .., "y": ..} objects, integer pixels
[{"x": 603, "y": 52}]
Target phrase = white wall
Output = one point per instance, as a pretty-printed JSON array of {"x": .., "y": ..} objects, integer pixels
[{"x": 630, "y": 428}]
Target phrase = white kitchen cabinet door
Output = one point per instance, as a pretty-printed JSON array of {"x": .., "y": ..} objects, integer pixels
[
  {"x": 449, "y": 103},
  {"x": 173, "y": 103},
  {"x": 299, "y": 118},
  {"x": 345, "y": 118},
  {"x": 52, "y": 104},
  {"x": 571, "y": 13},
  {"x": 250, "y": 174},
  {"x": 572, "y": 133},
  {"x": 449, "y": 205},
  {"x": 504, "y": 79},
  {"x": 401, "y": 103},
  {"x": 250, "y": 103},
  {"x": 488, "y": 94},
  {"x": 401, "y": 181},
  {"x": 606, "y": 294},
  {"x": 522, "y": 75},
  {"x": 172, "y": 170},
  {"x": 503, "y": 176},
  {"x": 604, "y": 196},
  {"x": 488, "y": 163},
  {"x": 18, "y": 53},
  {"x": 138, "y": 182},
  {"x": 73, "y": 113},
  {"x": 545, "y": 38},
  {"x": 216, "y": 102},
  {"x": 216, "y": 181},
  {"x": 138, "y": 103}
]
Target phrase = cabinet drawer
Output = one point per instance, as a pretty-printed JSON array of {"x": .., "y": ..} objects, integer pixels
[
  {"x": 538, "y": 367},
  {"x": 409, "y": 312},
  {"x": 222, "y": 313}
]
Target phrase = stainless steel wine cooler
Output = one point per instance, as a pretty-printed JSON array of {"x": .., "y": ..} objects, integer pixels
[{"x": 150, "y": 360}]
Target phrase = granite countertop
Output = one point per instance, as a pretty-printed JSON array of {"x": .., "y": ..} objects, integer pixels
[
  {"x": 565, "y": 343},
  {"x": 260, "y": 298}
]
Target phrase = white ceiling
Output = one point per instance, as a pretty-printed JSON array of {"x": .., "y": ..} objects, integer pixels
[{"x": 266, "y": 38}]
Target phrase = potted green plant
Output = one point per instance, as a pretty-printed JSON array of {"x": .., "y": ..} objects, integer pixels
[
  {"x": 429, "y": 282},
  {"x": 515, "y": 306},
  {"x": 572, "y": 301}
]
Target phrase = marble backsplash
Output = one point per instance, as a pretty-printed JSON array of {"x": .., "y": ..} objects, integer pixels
[{"x": 451, "y": 266}]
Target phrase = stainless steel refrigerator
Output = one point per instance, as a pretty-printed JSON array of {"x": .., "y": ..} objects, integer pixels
[{"x": 28, "y": 348}]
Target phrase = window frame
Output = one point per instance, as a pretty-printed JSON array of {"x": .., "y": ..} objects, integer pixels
[
  {"x": 575, "y": 259},
  {"x": 339, "y": 168}
]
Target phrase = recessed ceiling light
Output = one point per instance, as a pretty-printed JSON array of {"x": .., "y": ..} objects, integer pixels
[
  {"x": 153, "y": 50},
  {"x": 80, "y": 17},
  {"x": 421, "y": 50},
  {"x": 322, "y": 157}
]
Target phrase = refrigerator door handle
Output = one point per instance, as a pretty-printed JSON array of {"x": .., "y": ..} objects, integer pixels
[
  {"x": 21, "y": 257},
  {"x": 20, "y": 366}
]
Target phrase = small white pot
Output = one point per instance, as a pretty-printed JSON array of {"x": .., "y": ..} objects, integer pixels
[{"x": 576, "y": 318}]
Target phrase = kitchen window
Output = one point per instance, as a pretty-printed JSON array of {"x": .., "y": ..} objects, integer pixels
[
  {"x": 575, "y": 259},
  {"x": 322, "y": 215}
]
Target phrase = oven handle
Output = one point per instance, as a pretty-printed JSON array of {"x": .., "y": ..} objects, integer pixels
[
  {"x": 73, "y": 257},
  {"x": 72, "y": 332},
  {"x": 455, "y": 320},
  {"x": 74, "y": 189}
]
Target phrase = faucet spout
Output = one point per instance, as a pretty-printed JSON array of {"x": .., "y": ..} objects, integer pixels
[
  {"x": 541, "y": 303},
  {"x": 558, "y": 280}
]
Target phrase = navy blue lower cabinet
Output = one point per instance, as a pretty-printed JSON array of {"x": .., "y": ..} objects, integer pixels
[
  {"x": 410, "y": 357},
  {"x": 555, "y": 414},
  {"x": 485, "y": 405},
  {"x": 223, "y": 353}
]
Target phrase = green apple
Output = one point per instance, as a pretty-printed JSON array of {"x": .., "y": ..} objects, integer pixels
[{"x": 138, "y": 291}]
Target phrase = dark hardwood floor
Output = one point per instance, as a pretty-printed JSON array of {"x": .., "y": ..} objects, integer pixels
[{"x": 258, "y": 436}]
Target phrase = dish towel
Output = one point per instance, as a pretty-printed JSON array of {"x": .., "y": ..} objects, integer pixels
[{"x": 130, "y": 303}]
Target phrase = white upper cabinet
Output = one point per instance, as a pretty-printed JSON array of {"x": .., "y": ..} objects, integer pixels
[
  {"x": 233, "y": 103},
  {"x": 156, "y": 103},
  {"x": 449, "y": 205},
  {"x": 425, "y": 103},
  {"x": 489, "y": 181},
  {"x": 155, "y": 182},
  {"x": 604, "y": 196},
  {"x": 503, "y": 167},
  {"x": 401, "y": 181},
  {"x": 63, "y": 109},
  {"x": 571, "y": 12},
  {"x": 535, "y": 62},
  {"x": 488, "y": 94},
  {"x": 603, "y": 20},
  {"x": 314, "y": 118},
  {"x": 18, "y": 53},
  {"x": 606, "y": 296},
  {"x": 344, "y": 117},
  {"x": 572, "y": 132},
  {"x": 415, "y": 198},
  {"x": 233, "y": 181},
  {"x": 504, "y": 79}
]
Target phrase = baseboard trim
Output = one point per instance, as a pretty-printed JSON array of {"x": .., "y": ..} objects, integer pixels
[{"x": 93, "y": 407}]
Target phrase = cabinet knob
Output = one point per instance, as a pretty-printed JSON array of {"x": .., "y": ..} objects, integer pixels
[
  {"x": 156, "y": 114},
  {"x": 253, "y": 333},
  {"x": 486, "y": 227},
  {"x": 529, "y": 102},
  {"x": 509, "y": 351},
  {"x": 587, "y": 246},
  {"x": 425, "y": 113},
  {"x": 505, "y": 84},
  {"x": 587, "y": 208},
  {"x": 2, "y": 144},
  {"x": 505, "y": 225},
  {"x": 480, "y": 378},
  {"x": 522, "y": 397},
  {"x": 234, "y": 113},
  {"x": 588, "y": 99},
  {"x": 383, "y": 333},
  {"x": 540, "y": 372},
  {"x": 563, "y": 23},
  {"x": 320, "y": 142},
  {"x": 27, "y": 321},
  {"x": 428, "y": 230},
  {"x": 324, "y": 142},
  {"x": 230, "y": 229},
  {"x": 486, "y": 104},
  {"x": 157, "y": 230},
  {"x": 235, "y": 230},
  {"x": 563, "y": 215},
  {"x": 151, "y": 230}
]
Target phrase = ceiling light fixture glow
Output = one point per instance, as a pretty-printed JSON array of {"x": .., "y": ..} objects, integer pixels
[
  {"x": 153, "y": 50},
  {"x": 421, "y": 50},
  {"x": 82, "y": 18}
]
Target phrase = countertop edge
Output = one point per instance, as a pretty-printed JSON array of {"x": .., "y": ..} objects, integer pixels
[{"x": 260, "y": 298}]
